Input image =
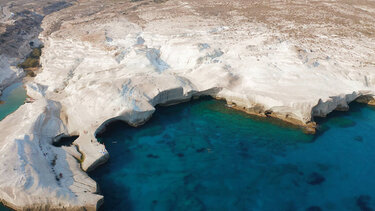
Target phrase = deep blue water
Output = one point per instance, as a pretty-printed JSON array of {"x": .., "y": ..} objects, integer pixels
[
  {"x": 3, "y": 208},
  {"x": 202, "y": 155}
]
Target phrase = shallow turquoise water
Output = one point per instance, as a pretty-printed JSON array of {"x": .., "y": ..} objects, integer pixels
[
  {"x": 13, "y": 97},
  {"x": 204, "y": 156}
]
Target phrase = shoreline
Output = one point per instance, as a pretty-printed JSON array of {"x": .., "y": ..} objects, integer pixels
[
  {"x": 251, "y": 114},
  {"x": 309, "y": 128},
  {"x": 120, "y": 60}
]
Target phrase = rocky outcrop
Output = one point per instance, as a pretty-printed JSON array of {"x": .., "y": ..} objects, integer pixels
[
  {"x": 118, "y": 60},
  {"x": 34, "y": 173},
  {"x": 367, "y": 99}
]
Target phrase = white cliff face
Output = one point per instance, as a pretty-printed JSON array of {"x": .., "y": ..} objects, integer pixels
[
  {"x": 8, "y": 74},
  {"x": 34, "y": 173},
  {"x": 119, "y": 60},
  {"x": 247, "y": 63}
]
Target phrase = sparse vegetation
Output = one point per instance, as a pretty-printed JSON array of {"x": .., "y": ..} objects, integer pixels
[
  {"x": 82, "y": 158},
  {"x": 36, "y": 53},
  {"x": 32, "y": 61},
  {"x": 30, "y": 73},
  {"x": 29, "y": 62}
]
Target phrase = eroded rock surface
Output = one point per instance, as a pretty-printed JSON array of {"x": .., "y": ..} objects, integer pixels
[
  {"x": 118, "y": 59},
  {"x": 34, "y": 173},
  {"x": 20, "y": 22}
]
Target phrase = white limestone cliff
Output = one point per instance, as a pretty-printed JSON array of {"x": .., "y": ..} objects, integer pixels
[
  {"x": 118, "y": 60},
  {"x": 8, "y": 74},
  {"x": 34, "y": 173}
]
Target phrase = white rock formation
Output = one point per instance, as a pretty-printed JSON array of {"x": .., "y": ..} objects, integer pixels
[
  {"x": 34, "y": 173},
  {"x": 8, "y": 74},
  {"x": 117, "y": 60}
]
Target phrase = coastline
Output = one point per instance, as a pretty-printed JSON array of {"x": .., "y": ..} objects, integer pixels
[
  {"x": 310, "y": 127},
  {"x": 121, "y": 65},
  {"x": 47, "y": 207}
]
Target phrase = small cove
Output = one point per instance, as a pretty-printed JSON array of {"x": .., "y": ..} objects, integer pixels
[
  {"x": 12, "y": 98},
  {"x": 201, "y": 155}
]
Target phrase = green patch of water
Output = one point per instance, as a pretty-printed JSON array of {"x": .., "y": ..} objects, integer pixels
[{"x": 12, "y": 98}]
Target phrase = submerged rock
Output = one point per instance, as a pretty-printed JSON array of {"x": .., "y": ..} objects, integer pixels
[
  {"x": 180, "y": 155},
  {"x": 315, "y": 179},
  {"x": 152, "y": 156},
  {"x": 363, "y": 202},
  {"x": 314, "y": 208},
  {"x": 358, "y": 138},
  {"x": 343, "y": 122}
]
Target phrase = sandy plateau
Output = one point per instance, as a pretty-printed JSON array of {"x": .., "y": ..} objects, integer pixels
[{"x": 117, "y": 60}]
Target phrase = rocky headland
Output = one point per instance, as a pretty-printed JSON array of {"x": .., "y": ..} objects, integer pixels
[{"x": 117, "y": 60}]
